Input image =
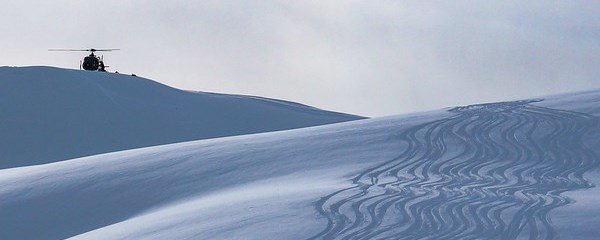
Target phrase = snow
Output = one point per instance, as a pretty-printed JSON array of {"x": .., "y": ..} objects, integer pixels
[
  {"x": 89, "y": 193},
  {"x": 54, "y": 114},
  {"x": 509, "y": 170},
  {"x": 580, "y": 221}
]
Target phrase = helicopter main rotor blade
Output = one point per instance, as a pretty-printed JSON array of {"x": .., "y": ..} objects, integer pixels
[
  {"x": 86, "y": 50},
  {"x": 79, "y": 50}
]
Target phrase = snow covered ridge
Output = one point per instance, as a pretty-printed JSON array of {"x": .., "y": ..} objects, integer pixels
[
  {"x": 50, "y": 114},
  {"x": 509, "y": 170}
]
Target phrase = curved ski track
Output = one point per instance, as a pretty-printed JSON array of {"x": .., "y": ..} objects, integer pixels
[{"x": 507, "y": 166}]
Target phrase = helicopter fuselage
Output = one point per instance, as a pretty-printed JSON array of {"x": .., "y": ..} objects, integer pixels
[{"x": 91, "y": 63}]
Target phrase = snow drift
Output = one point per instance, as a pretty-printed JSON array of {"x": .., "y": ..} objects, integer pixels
[
  {"x": 509, "y": 170},
  {"x": 50, "y": 114}
]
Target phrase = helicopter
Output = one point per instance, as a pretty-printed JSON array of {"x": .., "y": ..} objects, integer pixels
[{"x": 91, "y": 62}]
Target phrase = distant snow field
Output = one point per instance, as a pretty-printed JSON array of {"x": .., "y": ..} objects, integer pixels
[{"x": 510, "y": 170}]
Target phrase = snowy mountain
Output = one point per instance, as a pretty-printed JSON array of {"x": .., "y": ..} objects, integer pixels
[
  {"x": 509, "y": 170},
  {"x": 51, "y": 114}
]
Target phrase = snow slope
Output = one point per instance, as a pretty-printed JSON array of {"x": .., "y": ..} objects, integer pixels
[
  {"x": 51, "y": 114},
  {"x": 510, "y": 170}
]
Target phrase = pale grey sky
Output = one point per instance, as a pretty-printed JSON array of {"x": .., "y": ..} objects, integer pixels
[{"x": 371, "y": 58}]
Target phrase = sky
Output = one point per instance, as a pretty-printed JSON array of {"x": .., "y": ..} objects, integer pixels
[{"x": 372, "y": 58}]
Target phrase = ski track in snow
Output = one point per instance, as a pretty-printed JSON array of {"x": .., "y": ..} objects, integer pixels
[{"x": 507, "y": 167}]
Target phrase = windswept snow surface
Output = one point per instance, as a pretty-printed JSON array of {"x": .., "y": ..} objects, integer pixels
[
  {"x": 51, "y": 114},
  {"x": 510, "y": 170}
]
